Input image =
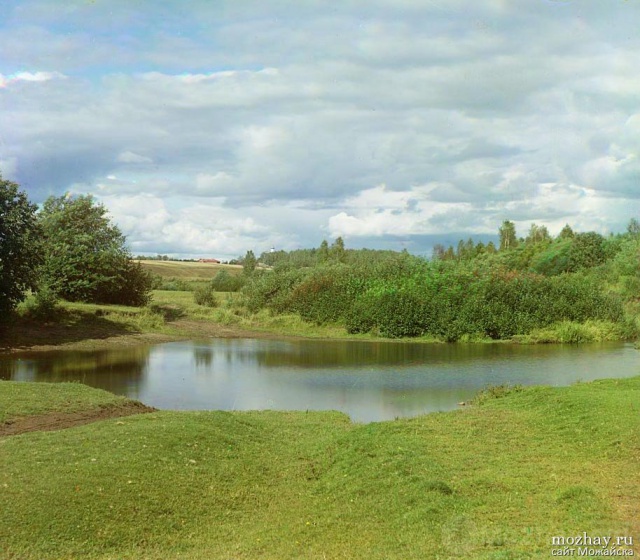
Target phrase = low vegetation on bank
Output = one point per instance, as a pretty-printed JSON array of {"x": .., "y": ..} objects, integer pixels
[
  {"x": 496, "y": 480},
  {"x": 576, "y": 287}
]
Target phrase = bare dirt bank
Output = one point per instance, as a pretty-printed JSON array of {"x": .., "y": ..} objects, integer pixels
[{"x": 60, "y": 420}]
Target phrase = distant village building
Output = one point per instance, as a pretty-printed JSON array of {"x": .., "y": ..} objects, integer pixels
[{"x": 212, "y": 261}]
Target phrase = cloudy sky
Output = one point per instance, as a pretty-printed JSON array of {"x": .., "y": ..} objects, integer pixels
[{"x": 208, "y": 128}]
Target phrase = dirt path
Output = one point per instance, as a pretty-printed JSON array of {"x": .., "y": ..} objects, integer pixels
[{"x": 60, "y": 420}]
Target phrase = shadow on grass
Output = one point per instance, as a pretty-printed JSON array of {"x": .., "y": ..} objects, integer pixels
[
  {"x": 22, "y": 333},
  {"x": 170, "y": 312}
]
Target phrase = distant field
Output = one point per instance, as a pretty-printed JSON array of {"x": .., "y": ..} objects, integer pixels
[{"x": 175, "y": 269}]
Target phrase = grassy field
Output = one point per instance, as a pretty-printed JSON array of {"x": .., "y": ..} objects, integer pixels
[
  {"x": 497, "y": 480},
  {"x": 18, "y": 400},
  {"x": 188, "y": 270}
]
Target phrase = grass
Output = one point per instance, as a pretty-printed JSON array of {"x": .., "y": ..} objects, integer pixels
[
  {"x": 18, "y": 400},
  {"x": 578, "y": 333},
  {"x": 493, "y": 481}
]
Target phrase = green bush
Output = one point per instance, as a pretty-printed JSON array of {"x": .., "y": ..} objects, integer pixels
[
  {"x": 272, "y": 289},
  {"x": 44, "y": 306},
  {"x": 205, "y": 295},
  {"x": 225, "y": 282},
  {"x": 325, "y": 295}
]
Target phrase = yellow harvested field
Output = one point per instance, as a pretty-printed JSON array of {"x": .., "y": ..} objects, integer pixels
[{"x": 178, "y": 269}]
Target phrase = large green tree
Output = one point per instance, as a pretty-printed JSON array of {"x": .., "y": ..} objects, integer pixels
[
  {"x": 86, "y": 258},
  {"x": 19, "y": 246}
]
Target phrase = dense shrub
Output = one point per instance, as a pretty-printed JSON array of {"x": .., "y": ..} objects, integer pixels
[
  {"x": 272, "y": 289},
  {"x": 44, "y": 306},
  {"x": 397, "y": 295},
  {"x": 453, "y": 305},
  {"x": 205, "y": 295},
  {"x": 132, "y": 286},
  {"x": 225, "y": 282},
  {"x": 587, "y": 250},
  {"x": 554, "y": 259},
  {"x": 326, "y": 294}
]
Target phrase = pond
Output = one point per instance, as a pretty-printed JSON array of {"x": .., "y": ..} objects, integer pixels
[{"x": 369, "y": 381}]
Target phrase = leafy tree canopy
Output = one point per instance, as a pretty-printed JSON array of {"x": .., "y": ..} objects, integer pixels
[
  {"x": 19, "y": 246},
  {"x": 85, "y": 254}
]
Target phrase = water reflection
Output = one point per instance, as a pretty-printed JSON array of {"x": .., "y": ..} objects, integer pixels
[
  {"x": 367, "y": 380},
  {"x": 122, "y": 372}
]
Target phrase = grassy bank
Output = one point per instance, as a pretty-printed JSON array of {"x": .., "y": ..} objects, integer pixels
[
  {"x": 497, "y": 480},
  {"x": 19, "y": 400},
  {"x": 171, "y": 315}
]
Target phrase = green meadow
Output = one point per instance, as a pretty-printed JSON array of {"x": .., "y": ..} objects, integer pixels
[{"x": 496, "y": 480}]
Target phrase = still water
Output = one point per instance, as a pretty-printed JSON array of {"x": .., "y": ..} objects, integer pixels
[{"x": 369, "y": 381}]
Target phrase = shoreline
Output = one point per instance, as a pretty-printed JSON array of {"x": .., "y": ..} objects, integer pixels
[{"x": 190, "y": 329}]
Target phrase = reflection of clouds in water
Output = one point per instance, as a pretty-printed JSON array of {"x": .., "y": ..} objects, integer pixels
[{"x": 368, "y": 381}]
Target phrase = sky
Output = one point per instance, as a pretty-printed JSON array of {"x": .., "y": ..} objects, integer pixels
[{"x": 209, "y": 128}]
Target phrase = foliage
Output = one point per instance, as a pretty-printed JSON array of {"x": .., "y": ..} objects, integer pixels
[
  {"x": 249, "y": 263},
  {"x": 44, "y": 305},
  {"x": 337, "y": 251},
  {"x": 403, "y": 296},
  {"x": 271, "y": 289},
  {"x": 571, "y": 332},
  {"x": 553, "y": 259},
  {"x": 225, "y": 282},
  {"x": 508, "y": 238},
  {"x": 205, "y": 295},
  {"x": 85, "y": 258},
  {"x": 566, "y": 232},
  {"x": 134, "y": 285},
  {"x": 323, "y": 251},
  {"x": 587, "y": 250},
  {"x": 471, "y": 293},
  {"x": 537, "y": 234},
  {"x": 633, "y": 228},
  {"x": 19, "y": 246}
]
